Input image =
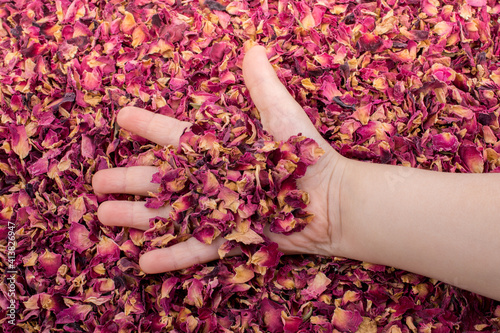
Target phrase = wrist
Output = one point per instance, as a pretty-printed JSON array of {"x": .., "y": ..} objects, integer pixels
[
  {"x": 358, "y": 186},
  {"x": 336, "y": 193}
]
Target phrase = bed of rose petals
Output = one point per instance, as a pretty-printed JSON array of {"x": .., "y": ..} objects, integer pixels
[{"x": 411, "y": 82}]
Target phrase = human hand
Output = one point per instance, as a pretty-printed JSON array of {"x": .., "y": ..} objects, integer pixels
[{"x": 281, "y": 116}]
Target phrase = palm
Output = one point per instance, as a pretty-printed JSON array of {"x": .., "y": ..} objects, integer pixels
[
  {"x": 316, "y": 238},
  {"x": 281, "y": 116}
]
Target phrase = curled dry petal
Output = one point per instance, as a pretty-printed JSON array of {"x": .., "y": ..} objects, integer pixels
[
  {"x": 317, "y": 286},
  {"x": 77, "y": 312},
  {"x": 271, "y": 313},
  {"x": 108, "y": 249},
  {"x": 19, "y": 140}
]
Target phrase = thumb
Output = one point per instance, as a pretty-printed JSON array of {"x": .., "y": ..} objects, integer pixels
[{"x": 281, "y": 115}]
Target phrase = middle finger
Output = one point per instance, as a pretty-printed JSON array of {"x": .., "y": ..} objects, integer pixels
[{"x": 157, "y": 128}]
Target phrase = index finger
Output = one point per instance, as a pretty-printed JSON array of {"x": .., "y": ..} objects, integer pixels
[{"x": 155, "y": 127}]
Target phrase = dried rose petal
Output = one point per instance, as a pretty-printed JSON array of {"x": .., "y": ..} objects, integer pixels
[
  {"x": 271, "y": 313},
  {"x": 472, "y": 157},
  {"x": 79, "y": 237},
  {"x": 50, "y": 262},
  {"x": 445, "y": 142},
  {"x": 267, "y": 256},
  {"x": 345, "y": 320},
  {"x": 108, "y": 249},
  {"x": 75, "y": 313}
]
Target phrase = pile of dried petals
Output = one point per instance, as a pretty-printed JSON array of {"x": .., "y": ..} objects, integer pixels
[
  {"x": 229, "y": 178},
  {"x": 412, "y": 82}
]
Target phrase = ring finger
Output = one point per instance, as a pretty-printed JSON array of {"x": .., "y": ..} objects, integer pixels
[{"x": 132, "y": 214}]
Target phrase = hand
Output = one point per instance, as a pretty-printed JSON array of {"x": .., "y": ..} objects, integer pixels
[{"x": 283, "y": 117}]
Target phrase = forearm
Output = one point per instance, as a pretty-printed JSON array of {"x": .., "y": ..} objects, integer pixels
[{"x": 441, "y": 225}]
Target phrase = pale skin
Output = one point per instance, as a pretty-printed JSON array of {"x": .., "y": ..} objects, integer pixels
[{"x": 441, "y": 225}]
